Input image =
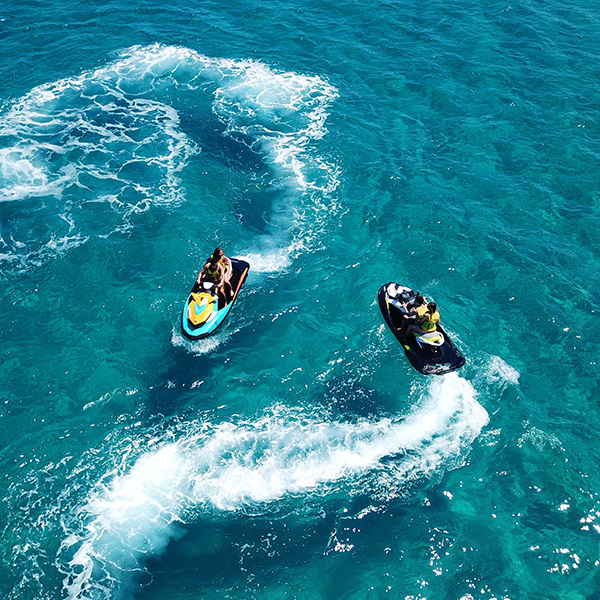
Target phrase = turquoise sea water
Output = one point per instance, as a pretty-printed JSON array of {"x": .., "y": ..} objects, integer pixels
[{"x": 297, "y": 454}]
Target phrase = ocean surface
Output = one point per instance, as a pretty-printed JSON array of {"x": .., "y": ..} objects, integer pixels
[{"x": 336, "y": 146}]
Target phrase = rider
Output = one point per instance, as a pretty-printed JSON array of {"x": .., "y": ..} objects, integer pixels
[
  {"x": 218, "y": 270},
  {"x": 414, "y": 310},
  {"x": 426, "y": 321}
]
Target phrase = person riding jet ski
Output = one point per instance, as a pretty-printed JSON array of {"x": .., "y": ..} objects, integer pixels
[
  {"x": 426, "y": 319},
  {"x": 414, "y": 309},
  {"x": 213, "y": 295},
  {"x": 415, "y": 323},
  {"x": 218, "y": 270}
]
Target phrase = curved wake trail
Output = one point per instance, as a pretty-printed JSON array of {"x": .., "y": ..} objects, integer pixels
[
  {"x": 80, "y": 156},
  {"x": 229, "y": 466}
]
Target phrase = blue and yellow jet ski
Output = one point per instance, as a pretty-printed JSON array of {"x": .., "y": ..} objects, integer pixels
[
  {"x": 430, "y": 353},
  {"x": 204, "y": 310}
]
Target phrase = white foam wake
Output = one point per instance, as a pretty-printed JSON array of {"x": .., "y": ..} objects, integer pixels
[
  {"x": 101, "y": 146},
  {"x": 228, "y": 466},
  {"x": 199, "y": 347}
]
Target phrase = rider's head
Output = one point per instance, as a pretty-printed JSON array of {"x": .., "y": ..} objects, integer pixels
[
  {"x": 218, "y": 253},
  {"x": 419, "y": 300},
  {"x": 431, "y": 307}
]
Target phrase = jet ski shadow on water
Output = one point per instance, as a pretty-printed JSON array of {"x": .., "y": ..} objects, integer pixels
[
  {"x": 430, "y": 353},
  {"x": 205, "y": 310}
]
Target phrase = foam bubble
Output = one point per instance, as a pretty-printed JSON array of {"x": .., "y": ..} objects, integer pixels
[
  {"x": 269, "y": 262},
  {"x": 499, "y": 370},
  {"x": 199, "y": 347},
  {"x": 20, "y": 177}
]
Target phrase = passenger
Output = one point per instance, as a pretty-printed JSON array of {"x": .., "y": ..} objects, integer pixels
[
  {"x": 225, "y": 261},
  {"x": 426, "y": 320},
  {"x": 432, "y": 318},
  {"x": 214, "y": 271}
]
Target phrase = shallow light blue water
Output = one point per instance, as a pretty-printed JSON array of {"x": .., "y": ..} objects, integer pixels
[{"x": 297, "y": 453}]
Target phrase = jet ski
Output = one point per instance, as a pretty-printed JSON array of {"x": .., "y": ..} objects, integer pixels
[
  {"x": 430, "y": 353},
  {"x": 204, "y": 310}
]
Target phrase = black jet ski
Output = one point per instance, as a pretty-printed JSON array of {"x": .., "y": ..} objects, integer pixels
[
  {"x": 430, "y": 353},
  {"x": 204, "y": 311}
]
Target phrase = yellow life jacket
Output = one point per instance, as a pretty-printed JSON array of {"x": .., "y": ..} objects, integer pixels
[
  {"x": 214, "y": 274},
  {"x": 421, "y": 310},
  {"x": 431, "y": 321}
]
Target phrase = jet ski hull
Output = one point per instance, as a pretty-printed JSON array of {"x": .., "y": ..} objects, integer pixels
[
  {"x": 425, "y": 358},
  {"x": 213, "y": 314}
]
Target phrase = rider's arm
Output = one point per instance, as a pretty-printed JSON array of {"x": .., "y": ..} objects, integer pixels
[{"x": 202, "y": 273}]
